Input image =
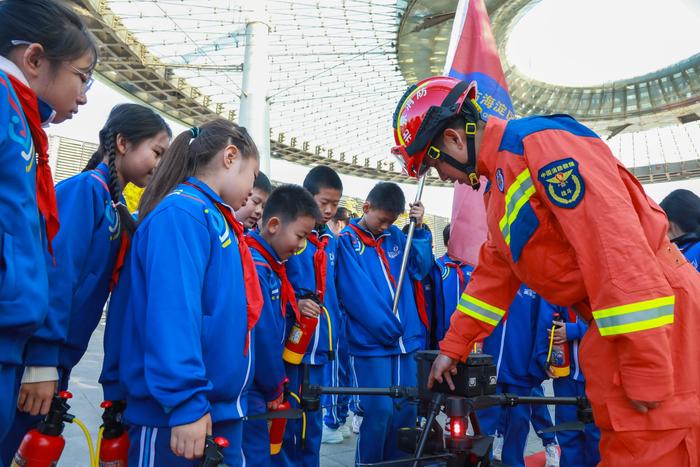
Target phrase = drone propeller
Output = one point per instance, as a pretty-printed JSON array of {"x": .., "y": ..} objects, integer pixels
[
  {"x": 289, "y": 414},
  {"x": 568, "y": 426}
]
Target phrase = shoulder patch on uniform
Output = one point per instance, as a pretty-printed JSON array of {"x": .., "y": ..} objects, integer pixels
[
  {"x": 562, "y": 182},
  {"x": 500, "y": 179}
]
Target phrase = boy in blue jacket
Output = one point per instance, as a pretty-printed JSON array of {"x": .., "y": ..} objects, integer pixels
[
  {"x": 312, "y": 272},
  {"x": 252, "y": 211},
  {"x": 578, "y": 448},
  {"x": 382, "y": 343},
  {"x": 289, "y": 216}
]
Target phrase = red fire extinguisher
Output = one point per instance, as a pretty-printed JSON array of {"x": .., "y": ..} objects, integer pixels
[
  {"x": 558, "y": 354},
  {"x": 214, "y": 452},
  {"x": 43, "y": 445},
  {"x": 276, "y": 426},
  {"x": 114, "y": 445},
  {"x": 300, "y": 335}
]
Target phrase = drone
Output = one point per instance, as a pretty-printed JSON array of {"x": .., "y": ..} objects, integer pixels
[{"x": 430, "y": 444}]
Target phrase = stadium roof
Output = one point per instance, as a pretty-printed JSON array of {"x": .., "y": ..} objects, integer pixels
[{"x": 338, "y": 69}]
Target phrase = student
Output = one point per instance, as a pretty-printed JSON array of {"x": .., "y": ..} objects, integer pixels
[
  {"x": 193, "y": 299},
  {"x": 289, "y": 216},
  {"x": 578, "y": 448},
  {"x": 250, "y": 214},
  {"x": 317, "y": 255},
  {"x": 382, "y": 343},
  {"x": 683, "y": 211},
  {"x": 46, "y": 62},
  {"x": 95, "y": 227},
  {"x": 340, "y": 220}
]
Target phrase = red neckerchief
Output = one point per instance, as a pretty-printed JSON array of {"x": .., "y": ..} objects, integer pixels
[
  {"x": 419, "y": 295},
  {"x": 320, "y": 261},
  {"x": 377, "y": 245},
  {"x": 253, "y": 294},
  {"x": 45, "y": 193},
  {"x": 286, "y": 290},
  {"x": 460, "y": 274}
]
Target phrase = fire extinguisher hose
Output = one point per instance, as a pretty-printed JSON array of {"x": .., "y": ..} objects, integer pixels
[
  {"x": 99, "y": 446},
  {"x": 303, "y": 415},
  {"x": 551, "y": 344},
  {"x": 93, "y": 460}
]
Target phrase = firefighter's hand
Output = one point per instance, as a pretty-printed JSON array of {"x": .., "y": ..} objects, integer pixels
[
  {"x": 443, "y": 369},
  {"x": 417, "y": 211},
  {"x": 644, "y": 406},
  {"x": 559, "y": 333},
  {"x": 35, "y": 398},
  {"x": 188, "y": 440},
  {"x": 273, "y": 405},
  {"x": 309, "y": 308}
]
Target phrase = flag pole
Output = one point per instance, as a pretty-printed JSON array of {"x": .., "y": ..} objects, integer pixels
[{"x": 407, "y": 248}]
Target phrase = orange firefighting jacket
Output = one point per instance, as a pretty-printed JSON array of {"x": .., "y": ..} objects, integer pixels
[{"x": 567, "y": 219}]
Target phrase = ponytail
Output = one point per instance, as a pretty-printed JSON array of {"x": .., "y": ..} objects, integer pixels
[
  {"x": 109, "y": 140},
  {"x": 189, "y": 153},
  {"x": 94, "y": 161}
]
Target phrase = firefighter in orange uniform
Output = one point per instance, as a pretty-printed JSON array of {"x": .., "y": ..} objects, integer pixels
[{"x": 566, "y": 218}]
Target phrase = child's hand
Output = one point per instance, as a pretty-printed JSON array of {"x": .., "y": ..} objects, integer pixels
[
  {"x": 188, "y": 440},
  {"x": 309, "y": 308},
  {"x": 559, "y": 332},
  {"x": 35, "y": 398},
  {"x": 549, "y": 372},
  {"x": 273, "y": 405},
  {"x": 417, "y": 211}
]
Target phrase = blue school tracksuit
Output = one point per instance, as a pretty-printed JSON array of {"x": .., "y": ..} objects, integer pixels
[
  {"x": 24, "y": 286},
  {"x": 446, "y": 291},
  {"x": 85, "y": 251},
  {"x": 183, "y": 347},
  {"x": 300, "y": 270},
  {"x": 689, "y": 244},
  {"x": 578, "y": 448},
  {"x": 382, "y": 345},
  {"x": 270, "y": 334}
]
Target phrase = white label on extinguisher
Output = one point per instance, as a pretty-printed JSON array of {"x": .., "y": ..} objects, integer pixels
[
  {"x": 295, "y": 335},
  {"x": 112, "y": 464},
  {"x": 19, "y": 461}
]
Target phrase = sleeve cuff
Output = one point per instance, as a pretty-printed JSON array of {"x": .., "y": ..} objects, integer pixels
[
  {"x": 190, "y": 411},
  {"x": 112, "y": 392},
  {"x": 39, "y": 374},
  {"x": 42, "y": 353},
  {"x": 572, "y": 332},
  {"x": 455, "y": 348}
]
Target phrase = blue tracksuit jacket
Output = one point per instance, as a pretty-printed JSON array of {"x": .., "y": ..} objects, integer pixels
[
  {"x": 24, "y": 289},
  {"x": 183, "y": 351},
  {"x": 446, "y": 291},
  {"x": 300, "y": 270},
  {"x": 689, "y": 244},
  {"x": 270, "y": 330},
  {"x": 367, "y": 293},
  {"x": 85, "y": 249}
]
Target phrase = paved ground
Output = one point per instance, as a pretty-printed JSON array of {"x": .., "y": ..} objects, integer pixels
[{"x": 87, "y": 395}]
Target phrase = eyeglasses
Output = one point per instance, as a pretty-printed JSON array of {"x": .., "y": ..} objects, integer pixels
[{"x": 86, "y": 78}]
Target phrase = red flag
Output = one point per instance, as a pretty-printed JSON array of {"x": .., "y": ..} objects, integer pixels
[{"x": 473, "y": 56}]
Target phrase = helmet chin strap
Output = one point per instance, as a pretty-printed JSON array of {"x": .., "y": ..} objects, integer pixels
[{"x": 468, "y": 167}]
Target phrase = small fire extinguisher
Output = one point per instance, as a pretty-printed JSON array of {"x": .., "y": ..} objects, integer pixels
[
  {"x": 276, "y": 426},
  {"x": 114, "y": 446},
  {"x": 559, "y": 354},
  {"x": 214, "y": 452},
  {"x": 43, "y": 445},
  {"x": 300, "y": 335}
]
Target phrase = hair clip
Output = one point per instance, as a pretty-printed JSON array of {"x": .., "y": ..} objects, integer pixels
[{"x": 195, "y": 131}]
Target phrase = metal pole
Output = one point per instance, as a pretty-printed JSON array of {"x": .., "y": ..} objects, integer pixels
[
  {"x": 407, "y": 249},
  {"x": 254, "y": 110}
]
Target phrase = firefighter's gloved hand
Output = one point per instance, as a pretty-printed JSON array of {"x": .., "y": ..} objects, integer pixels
[
  {"x": 443, "y": 369},
  {"x": 417, "y": 211},
  {"x": 644, "y": 406},
  {"x": 188, "y": 440},
  {"x": 309, "y": 308},
  {"x": 35, "y": 398}
]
